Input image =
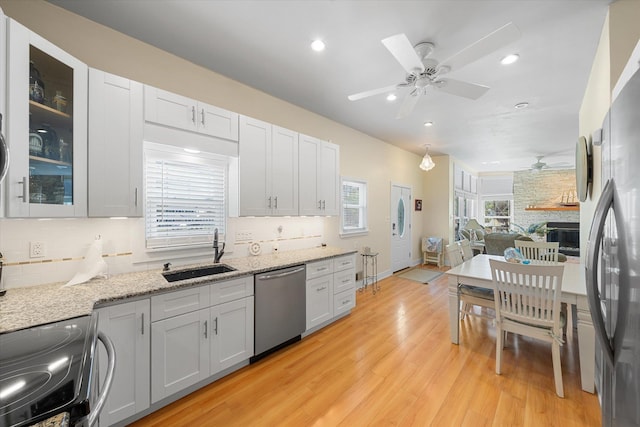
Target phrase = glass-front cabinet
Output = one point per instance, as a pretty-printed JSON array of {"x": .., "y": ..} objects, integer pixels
[{"x": 47, "y": 128}]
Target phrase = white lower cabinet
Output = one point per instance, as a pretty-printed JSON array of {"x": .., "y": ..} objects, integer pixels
[
  {"x": 195, "y": 335},
  {"x": 319, "y": 300},
  {"x": 179, "y": 353},
  {"x": 127, "y": 325},
  {"x": 232, "y": 339},
  {"x": 330, "y": 289}
]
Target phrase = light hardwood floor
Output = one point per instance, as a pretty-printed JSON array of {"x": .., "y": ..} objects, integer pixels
[{"x": 390, "y": 362}]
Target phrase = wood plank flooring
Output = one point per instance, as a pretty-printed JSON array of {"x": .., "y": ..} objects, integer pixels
[{"x": 391, "y": 362}]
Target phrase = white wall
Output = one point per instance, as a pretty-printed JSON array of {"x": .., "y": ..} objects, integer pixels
[
  {"x": 361, "y": 157},
  {"x": 620, "y": 35}
]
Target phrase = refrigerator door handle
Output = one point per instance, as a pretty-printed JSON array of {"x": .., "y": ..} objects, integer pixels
[{"x": 591, "y": 267}]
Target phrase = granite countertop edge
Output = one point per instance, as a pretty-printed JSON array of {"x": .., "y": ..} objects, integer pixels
[{"x": 36, "y": 305}]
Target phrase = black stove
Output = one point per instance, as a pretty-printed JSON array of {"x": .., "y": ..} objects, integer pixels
[{"x": 47, "y": 370}]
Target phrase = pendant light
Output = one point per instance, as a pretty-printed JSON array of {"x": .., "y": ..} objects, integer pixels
[{"x": 427, "y": 164}]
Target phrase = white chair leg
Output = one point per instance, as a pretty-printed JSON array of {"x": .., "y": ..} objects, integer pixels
[
  {"x": 499, "y": 345},
  {"x": 557, "y": 368}
]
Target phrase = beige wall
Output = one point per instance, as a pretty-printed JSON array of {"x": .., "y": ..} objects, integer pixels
[
  {"x": 361, "y": 156},
  {"x": 620, "y": 35},
  {"x": 437, "y": 203}
]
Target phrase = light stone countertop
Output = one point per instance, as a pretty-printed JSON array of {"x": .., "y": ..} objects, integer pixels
[{"x": 36, "y": 305}]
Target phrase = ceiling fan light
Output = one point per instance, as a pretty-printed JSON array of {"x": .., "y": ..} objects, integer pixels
[
  {"x": 318, "y": 45},
  {"x": 391, "y": 97},
  {"x": 521, "y": 105},
  {"x": 428, "y": 124},
  {"x": 510, "y": 59}
]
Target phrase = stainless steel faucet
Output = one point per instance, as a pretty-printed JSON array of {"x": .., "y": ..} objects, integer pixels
[{"x": 217, "y": 255}]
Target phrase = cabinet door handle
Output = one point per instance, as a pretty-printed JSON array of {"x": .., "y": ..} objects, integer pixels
[
  {"x": 193, "y": 114},
  {"x": 216, "y": 329},
  {"x": 269, "y": 205},
  {"x": 276, "y": 202},
  {"x": 202, "y": 118},
  {"x": 321, "y": 289},
  {"x": 24, "y": 189},
  {"x": 135, "y": 197},
  {"x": 324, "y": 205},
  {"x": 142, "y": 325},
  {"x": 206, "y": 333},
  {"x": 319, "y": 204}
]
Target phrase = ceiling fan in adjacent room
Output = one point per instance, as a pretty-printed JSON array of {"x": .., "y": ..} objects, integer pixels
[
  {"x": 540, "y": 165},
  {"x": 424, "y": 72}
]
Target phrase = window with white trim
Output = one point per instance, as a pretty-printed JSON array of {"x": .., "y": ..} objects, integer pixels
[
  {"x": 353, "y": 212},
  {"x": 185, "y": 197}
]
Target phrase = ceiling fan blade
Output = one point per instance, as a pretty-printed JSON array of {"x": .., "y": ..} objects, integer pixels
[
  {"x": 408, "y": 104},
  {"x": 489, "y": 43},
  {"x": 460, "y": 88},
  {"x": 357, "y": 96},
  {"x": 401, "y": 48}
]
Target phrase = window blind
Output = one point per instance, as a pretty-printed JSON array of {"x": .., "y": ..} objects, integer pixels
[
  {"x": 354, "y": 206},
  {"x": 185, "y": 200}
]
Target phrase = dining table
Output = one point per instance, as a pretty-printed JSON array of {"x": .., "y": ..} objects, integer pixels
[{"x": 477, "y": 272}]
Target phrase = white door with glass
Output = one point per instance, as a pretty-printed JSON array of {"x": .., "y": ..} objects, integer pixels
[{"x": 400, "y": 227}]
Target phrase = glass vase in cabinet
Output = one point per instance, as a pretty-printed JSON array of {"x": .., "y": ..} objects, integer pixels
[{"x": 47, "y": 129}]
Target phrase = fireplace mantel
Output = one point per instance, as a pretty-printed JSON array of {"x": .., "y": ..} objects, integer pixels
[{"x": 554, "y": 208}]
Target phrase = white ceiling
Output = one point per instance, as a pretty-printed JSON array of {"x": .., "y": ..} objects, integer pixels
[{"x": 265, "y": 44}]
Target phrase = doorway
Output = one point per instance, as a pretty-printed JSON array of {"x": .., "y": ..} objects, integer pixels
[{"x": 400, "y": 227}]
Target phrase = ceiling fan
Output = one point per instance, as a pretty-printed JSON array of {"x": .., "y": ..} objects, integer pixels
[
  {"x": 424, "y": 71},
  {"x": 540, "y": 165}
]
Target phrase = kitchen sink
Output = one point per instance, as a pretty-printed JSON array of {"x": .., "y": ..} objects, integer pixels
[{"x": 174, "y": 276}]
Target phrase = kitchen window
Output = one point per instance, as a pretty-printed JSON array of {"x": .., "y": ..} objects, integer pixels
[
  {"x": 185, "y": 197},
  {"x": 353, "y": 218}
]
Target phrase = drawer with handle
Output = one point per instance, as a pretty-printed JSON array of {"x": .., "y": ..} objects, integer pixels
[
  {"x": 344, "y": 262},
  {"x": 319, "y": 268}
]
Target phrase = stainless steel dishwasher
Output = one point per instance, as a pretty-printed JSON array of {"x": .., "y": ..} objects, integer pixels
[{"x": 280, "y": 309}]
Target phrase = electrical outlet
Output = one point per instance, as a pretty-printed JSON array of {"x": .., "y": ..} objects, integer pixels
[{"x": 36, "y": 249}]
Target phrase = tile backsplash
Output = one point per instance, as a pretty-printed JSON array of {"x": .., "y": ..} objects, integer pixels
[{"x": 64, "y": 243}]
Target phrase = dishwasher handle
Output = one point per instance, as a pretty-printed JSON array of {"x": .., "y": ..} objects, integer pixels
[
  {"x": 111, "y": 366},
  {"x": 279, "y": 275}
]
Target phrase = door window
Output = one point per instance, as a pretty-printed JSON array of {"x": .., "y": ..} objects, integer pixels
[{"x": 401, "y": 217}]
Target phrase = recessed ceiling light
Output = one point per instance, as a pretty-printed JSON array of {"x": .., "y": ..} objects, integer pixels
[
  {"x": 509, "y": 59},
  {"x": 318, "y": 45},
  {"x": 521, "y": 105},
  {"x": 428, "y": 124},
  {"x": 191, "y": 150},
  {"x": 391, "y": 97}
]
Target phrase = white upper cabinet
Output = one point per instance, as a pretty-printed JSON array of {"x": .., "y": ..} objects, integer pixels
[
  {"x": 115, "y": 145},
  {"x": 170, "y": 109},
  {"x": 46, "y": 128},
  {"x": 268, "y": 169},
  {"x": 319, "y": 163}
]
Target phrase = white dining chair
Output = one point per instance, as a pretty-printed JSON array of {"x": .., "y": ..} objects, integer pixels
[
  {"x": 469, "y": 295},
  {"x": 538, "y": 251},
  {"x": 453, "y": 254},
  {"x": 465, "y": 247},
  {"x": 542, "y": 252},
  {"x": 527, "y": 302}
]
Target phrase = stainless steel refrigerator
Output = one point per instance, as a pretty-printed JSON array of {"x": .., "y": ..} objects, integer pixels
[{"x": 613, "y": 263}]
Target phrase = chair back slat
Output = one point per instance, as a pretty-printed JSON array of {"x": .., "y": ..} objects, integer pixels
[
  {"x": 465, "y": 247},
  {"x": 454, "y": 254},
  {"x": 539, "y": 251},
  {"x": 528, "y": 293}
]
